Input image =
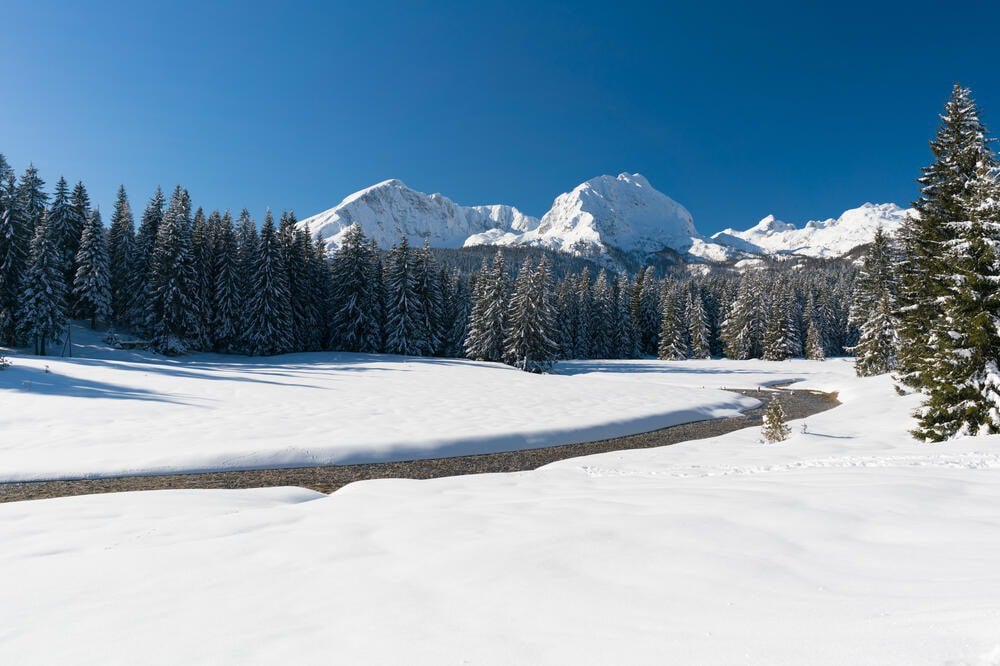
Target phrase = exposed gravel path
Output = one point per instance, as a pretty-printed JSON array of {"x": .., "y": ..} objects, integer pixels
[{"x": 797, "y": 404}]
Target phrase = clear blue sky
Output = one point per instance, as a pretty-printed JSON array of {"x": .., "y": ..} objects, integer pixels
[{"x": 734, "y": 109}]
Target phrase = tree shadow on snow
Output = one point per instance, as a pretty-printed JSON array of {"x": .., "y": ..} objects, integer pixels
[{"x": 33, "y": 380}]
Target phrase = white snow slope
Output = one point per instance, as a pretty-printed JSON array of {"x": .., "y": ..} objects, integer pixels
[
  {"x": 598, "y": 219},
  {"x": 850, "y": 544},
  {"x": 112, "y": 412}
]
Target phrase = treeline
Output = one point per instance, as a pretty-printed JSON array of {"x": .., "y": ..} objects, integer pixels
[{"x": 189, "y": 281}]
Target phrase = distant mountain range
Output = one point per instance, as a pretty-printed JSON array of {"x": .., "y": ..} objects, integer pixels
[{"x": 602, "y": 219}]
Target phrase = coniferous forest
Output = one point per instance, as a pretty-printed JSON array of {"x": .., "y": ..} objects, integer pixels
[{"x": 924, "y": 304}]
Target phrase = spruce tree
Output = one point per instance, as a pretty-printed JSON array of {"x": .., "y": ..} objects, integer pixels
[
  {"x": 269, "y": 315},
  {"x": 64, "y": 227},
  {"x": 80, "y": 204},
  {"x": 814, "y": 342},
  {"x": 405, "y": 329},
  {"x": 142, "y": 265},
  {"x": 529, "y": 344},
  {"x": 775, "y": 428},
  {"x": 874, "y": 311},
  {"x": 15, "y": 242},
  {"x": 781, "y": 341},
  {"x": 92, "y": 282},
  {"x": 173, "y": 319},
  {"x": 428, "y": 287},
  {"x": 32, "y": 198},
  {"x": 355, "y": 322},
  {"x": 959, "y": 147},
  {"x": 227, "y": 313},
  {"x": 121, "y": 254},
  {"x": 488, "y": 321},
  {"x": 962, "y": 380},
  {"x": 698, "y": 331},
  {"x": 743, "y": 327},
  {"x": 42, "y": 311},
  {"x": 672, "y": 345}
]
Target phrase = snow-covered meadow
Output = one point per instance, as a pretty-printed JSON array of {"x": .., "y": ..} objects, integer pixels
[
  {"x": 849, "y": 544},
  {"x": 110, "y": 412}
]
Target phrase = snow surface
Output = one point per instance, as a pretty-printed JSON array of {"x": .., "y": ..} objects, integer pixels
[
  {"x": 850, "y": 544},
  {"x": 114, "y": 413}
]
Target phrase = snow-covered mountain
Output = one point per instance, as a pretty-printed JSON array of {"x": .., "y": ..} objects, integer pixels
[
  {"x": 601, "y": 219},
  {"x": 826, "y": 238},
  {"x": 389, "y": 209},
  {"x": 607, "y": 213}
]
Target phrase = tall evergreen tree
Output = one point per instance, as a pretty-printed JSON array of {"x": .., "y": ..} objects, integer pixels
[
  {"x": 42, "y": 311},
  {"x": 698, "y": 330},
  {"x": 32, "y": 198},
  {"x": 64, "y": 228},
  {"x": 269, "y": 315},
  {"x": 874, "y": 311},
  {"x": 958, "y": 148},
  {"x": 227, "y": 311},
  {"x": 962, "y": 380},
  {"x": 121, "y": 254},
  {"x": 355, "y": 299},
  {"x": 529, "y": 344},
  {"x": 781, "y": 341},
  {"x": 743, "y": 327},
  {"x": 142, "y": 264},
  {"x": 92, "y": 282},
  {"x": 15, "y": 241},
  {"x": 173, "y": 319},
  {"x": 428, "y": 287},
  {"x": 672, "y": 345},
  {"x": 488, "y": 321},
  {"x": 405, "y": 332}
]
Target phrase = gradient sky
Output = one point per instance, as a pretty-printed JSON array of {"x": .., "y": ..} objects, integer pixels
[{"x": 734, "y": 109}]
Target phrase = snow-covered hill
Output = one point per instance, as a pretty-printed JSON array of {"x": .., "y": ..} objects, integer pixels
[
  {"x": 826, "y": 238},
  {"x": 601, "y": 219}
]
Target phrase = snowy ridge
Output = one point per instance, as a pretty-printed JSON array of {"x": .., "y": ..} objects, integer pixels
[
  {"x": 598, "y": 219},
  {"x": 824, "y": 239}
]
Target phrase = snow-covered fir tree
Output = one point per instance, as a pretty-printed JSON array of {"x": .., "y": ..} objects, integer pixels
[
  {"x": 814, "y": 350},
  {"x": 64, "y": 228},
  {"x": 202, "y": 245},
  {"x": 405, "y": 331},
  {"x": 227, "y": 311},
  {"x": 121, "y": 251},
  {"x": 961, "y": 377},
  {"x": 14, "y": 247},
  {"x": 530, "y": 343},
  {"x": 80, "y": 204},
  {"x": 42, "y": 309},
  {"x": 456, "y": 308},
  {"x": 959, "y": 147},
  {"x": 697, "y": 325},
  {"x": 781, "y": 340},
  {"x": 743, "y": 328},
  {"x": 269, "y": 317},
  {"x": 874, "y": 310},
  {"x": 625, "y": 332},
  {"x": 355, "y": 324},
  {"x": 775, "y": 428},
  {"x": 32, "y": 198},
  {"x": 92, "y": 282},
  {"x": 602, "y": 318},
  {"x": 173, "y": 319},
  {"x": 488, "y": 320},
  {"x": 428, "y": 287},
  {"x": 673, "y": 332},
  {"x": 142, "y": 264}
]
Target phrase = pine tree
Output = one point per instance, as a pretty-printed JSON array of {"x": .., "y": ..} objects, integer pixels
[
  {"x": 80, "y": 205},
  {"x": 963, "y": 394},
  {"x": 529, "y": 343},
  {"x": 781, "y": 340},
  {"x": 15, "y": 241},
  {"x": 355, "y": 309},
  {"x": 269, "y": 316},
  {"x": 488, "y": 321},
  {"x": 775, "y": 428},
  {"x": 874, "y": 311},
  {"x": 92, "y": 282},
  {"x": 428, "y": 287},
  {"x": 455, "y": 308},
  {"x": 405, "y": 331},
  {"x": 625, "y": 338},
  {"x": 602, "y": 312},
  {"x": 814, "y": 342},
  {"x": 672, "y": 345},
  {"x": 203, "y": 251},
  {"x": 31, "y": 198},
  {"x": 173, "y": 318},
  {"x": 583, "y": 326},
  {"x": 42, "y": 313},
  {"x": 64, "y": 226},
  {"x": 227, "y": 311},
  {"x": 121, "y": 251},
  {"x": 743, "y": 327},
  {"x": 142, "y": 264},
  {"x": 958, "y": 148},
  {"x": 698, "y": 331}
]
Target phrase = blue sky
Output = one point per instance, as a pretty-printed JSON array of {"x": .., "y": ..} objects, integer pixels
[{"x": 736, "y": 109}]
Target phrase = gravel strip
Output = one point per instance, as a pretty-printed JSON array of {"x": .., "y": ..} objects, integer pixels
[{"x": 797, "y": 405}]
